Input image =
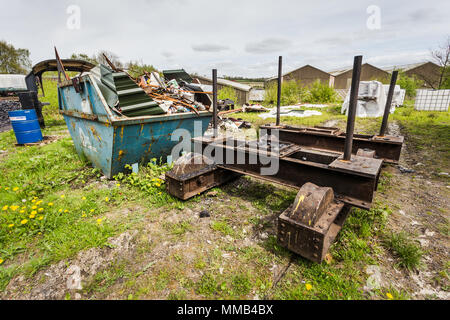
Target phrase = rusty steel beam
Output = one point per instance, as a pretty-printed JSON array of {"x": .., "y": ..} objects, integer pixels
[
  {"x": 354, "y": 182},
  {"x": 280, "y": 83},
  {"x": 388, "y": 148},
  {"x": 215, "y": 120},
  {"x": 354, "y": 93},
  {"x": 388, "y": 107}
]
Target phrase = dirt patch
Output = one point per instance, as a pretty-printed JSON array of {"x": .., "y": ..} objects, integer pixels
[{"x": 421, "y": 208}]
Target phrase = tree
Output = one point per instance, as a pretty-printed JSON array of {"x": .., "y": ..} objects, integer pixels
[
  {"x": 99, "y": 58},
  {"x": 14, "y": 60},
  {"x": 84, "y": 57},
  {"x": 138, "y": 68},
  {"x": 410, "y": 84},
  {"x": 442, "y": 57}
]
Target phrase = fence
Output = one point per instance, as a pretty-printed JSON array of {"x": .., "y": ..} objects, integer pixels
[{"x": 432, "y": 100}]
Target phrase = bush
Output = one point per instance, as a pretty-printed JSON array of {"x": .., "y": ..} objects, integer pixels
[
  {"x": 410, "y": 84},
  {"x": 319, "y": 93},
  {"x": 290, "y": 93},
  {"x": 409, "y": 254},
  {"x": 228, "y": 93}
]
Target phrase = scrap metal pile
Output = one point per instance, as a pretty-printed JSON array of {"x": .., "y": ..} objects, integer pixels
[
  {"x": 333, "y": 171},
  {"x": 174, "y": 95},
  {"x": 6, "y": 105},
  {"x": 149, "y": 94}
]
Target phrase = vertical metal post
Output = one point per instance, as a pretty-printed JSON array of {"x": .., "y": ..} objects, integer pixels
[
  {"x": 215, "y": 120},
  {"x": 352, "y": 108},
  {"x": 387, "y": 110},
  {"x": 280, "y": 81}
]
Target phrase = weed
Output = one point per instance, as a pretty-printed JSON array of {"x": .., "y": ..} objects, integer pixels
[
  {"x": 241, "y": 284},
  {"x": 223, "y": 227},
  {"x": 408, "y": 253},
  {"x": 207, "y": 285}
]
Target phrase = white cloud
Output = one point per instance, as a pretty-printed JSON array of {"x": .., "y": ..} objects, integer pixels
[{"x": 237, "y": 37}]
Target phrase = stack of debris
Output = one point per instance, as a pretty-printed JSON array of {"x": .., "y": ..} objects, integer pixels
[
  {"x": 149, "y": 94},
  {"x": 7, "y": 105}
]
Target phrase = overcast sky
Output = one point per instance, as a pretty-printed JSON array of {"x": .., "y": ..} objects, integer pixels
[{"x": 242, "y": 37}]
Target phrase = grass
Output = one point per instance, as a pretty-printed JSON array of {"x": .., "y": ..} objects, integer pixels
[
  {"x": 407, "y": 252},
  {"x": 194, "y": 270}
]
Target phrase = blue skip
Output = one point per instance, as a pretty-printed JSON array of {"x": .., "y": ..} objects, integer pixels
[
  {"x": 111, "y": 141},
  {"x": 26, "y": 126}
]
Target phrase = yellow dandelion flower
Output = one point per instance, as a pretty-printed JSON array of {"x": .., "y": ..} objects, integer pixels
[
  {"x": 1, "y": 260},
  {"x": 16, "y": 189},
  {"x": 107, "y": 199},
  {"x": 41, "y": 210},
  {"x": 84, "y": 198},
  {"x": 33, "y": 213},
  {"x": 6, "y": 189},
  {"x": 63, "y": 196},
  {"x": 389, "y": 296},
  {"x": 39, "y": 202},
  {"x": 66, "y": 211},
  {"x": 84, "y": 215},
  {"x": 40, "y": 218},
  {"x": 99, "y": 221},
  {"x": 308, "y": 287},
  {"x": 24, "y": 221},
  {"x": 5, "y": 208},
  {"x": 50, "y": 204},
  {"x": 14, "y": 208},
  {"x": 92, "y": 210},
  {"x": 33, "y": 201},
  {"x": 60, "y": 210},
  {"x": 32, "y": 216},
  {"x": 22, "y": 211},
  {"x": 34, "y": 207},
  {"x": 158, "y": 185},
  {"x": 118, "y": 185},
  {"x": 11, "y": 225}
]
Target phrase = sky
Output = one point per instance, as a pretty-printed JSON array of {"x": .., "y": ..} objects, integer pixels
[{"x": 239, "y": 38}]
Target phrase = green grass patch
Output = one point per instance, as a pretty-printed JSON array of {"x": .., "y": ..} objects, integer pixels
[{"x": 407, "y": 252}]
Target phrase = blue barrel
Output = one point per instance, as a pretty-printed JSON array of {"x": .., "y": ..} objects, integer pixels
[{"x": 26, "y": 126}]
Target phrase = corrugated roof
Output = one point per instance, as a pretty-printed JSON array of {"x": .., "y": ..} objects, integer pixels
[
  {"x": 306, "y": 65},
  {"x": 405, "y": 67},
  {"x": 227, "y": 83},
  {"x": 340, "y": 71}
]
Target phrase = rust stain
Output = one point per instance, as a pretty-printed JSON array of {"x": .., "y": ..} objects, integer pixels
[
  {"x": 121, "y": 153},
  {"x": 95, "y": 133},
  {"x": 121, "y": 133},
  {"x": 142, "y": 129}
]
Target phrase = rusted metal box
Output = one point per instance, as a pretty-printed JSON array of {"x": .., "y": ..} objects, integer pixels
[
  {"x": 312, "y": 242},
  {"x": 190, "y": 185}
]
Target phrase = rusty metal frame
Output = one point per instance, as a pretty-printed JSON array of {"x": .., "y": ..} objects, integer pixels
[
  {"x": 388, "y": 148},
  {"x": 354, "y": 182}
]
